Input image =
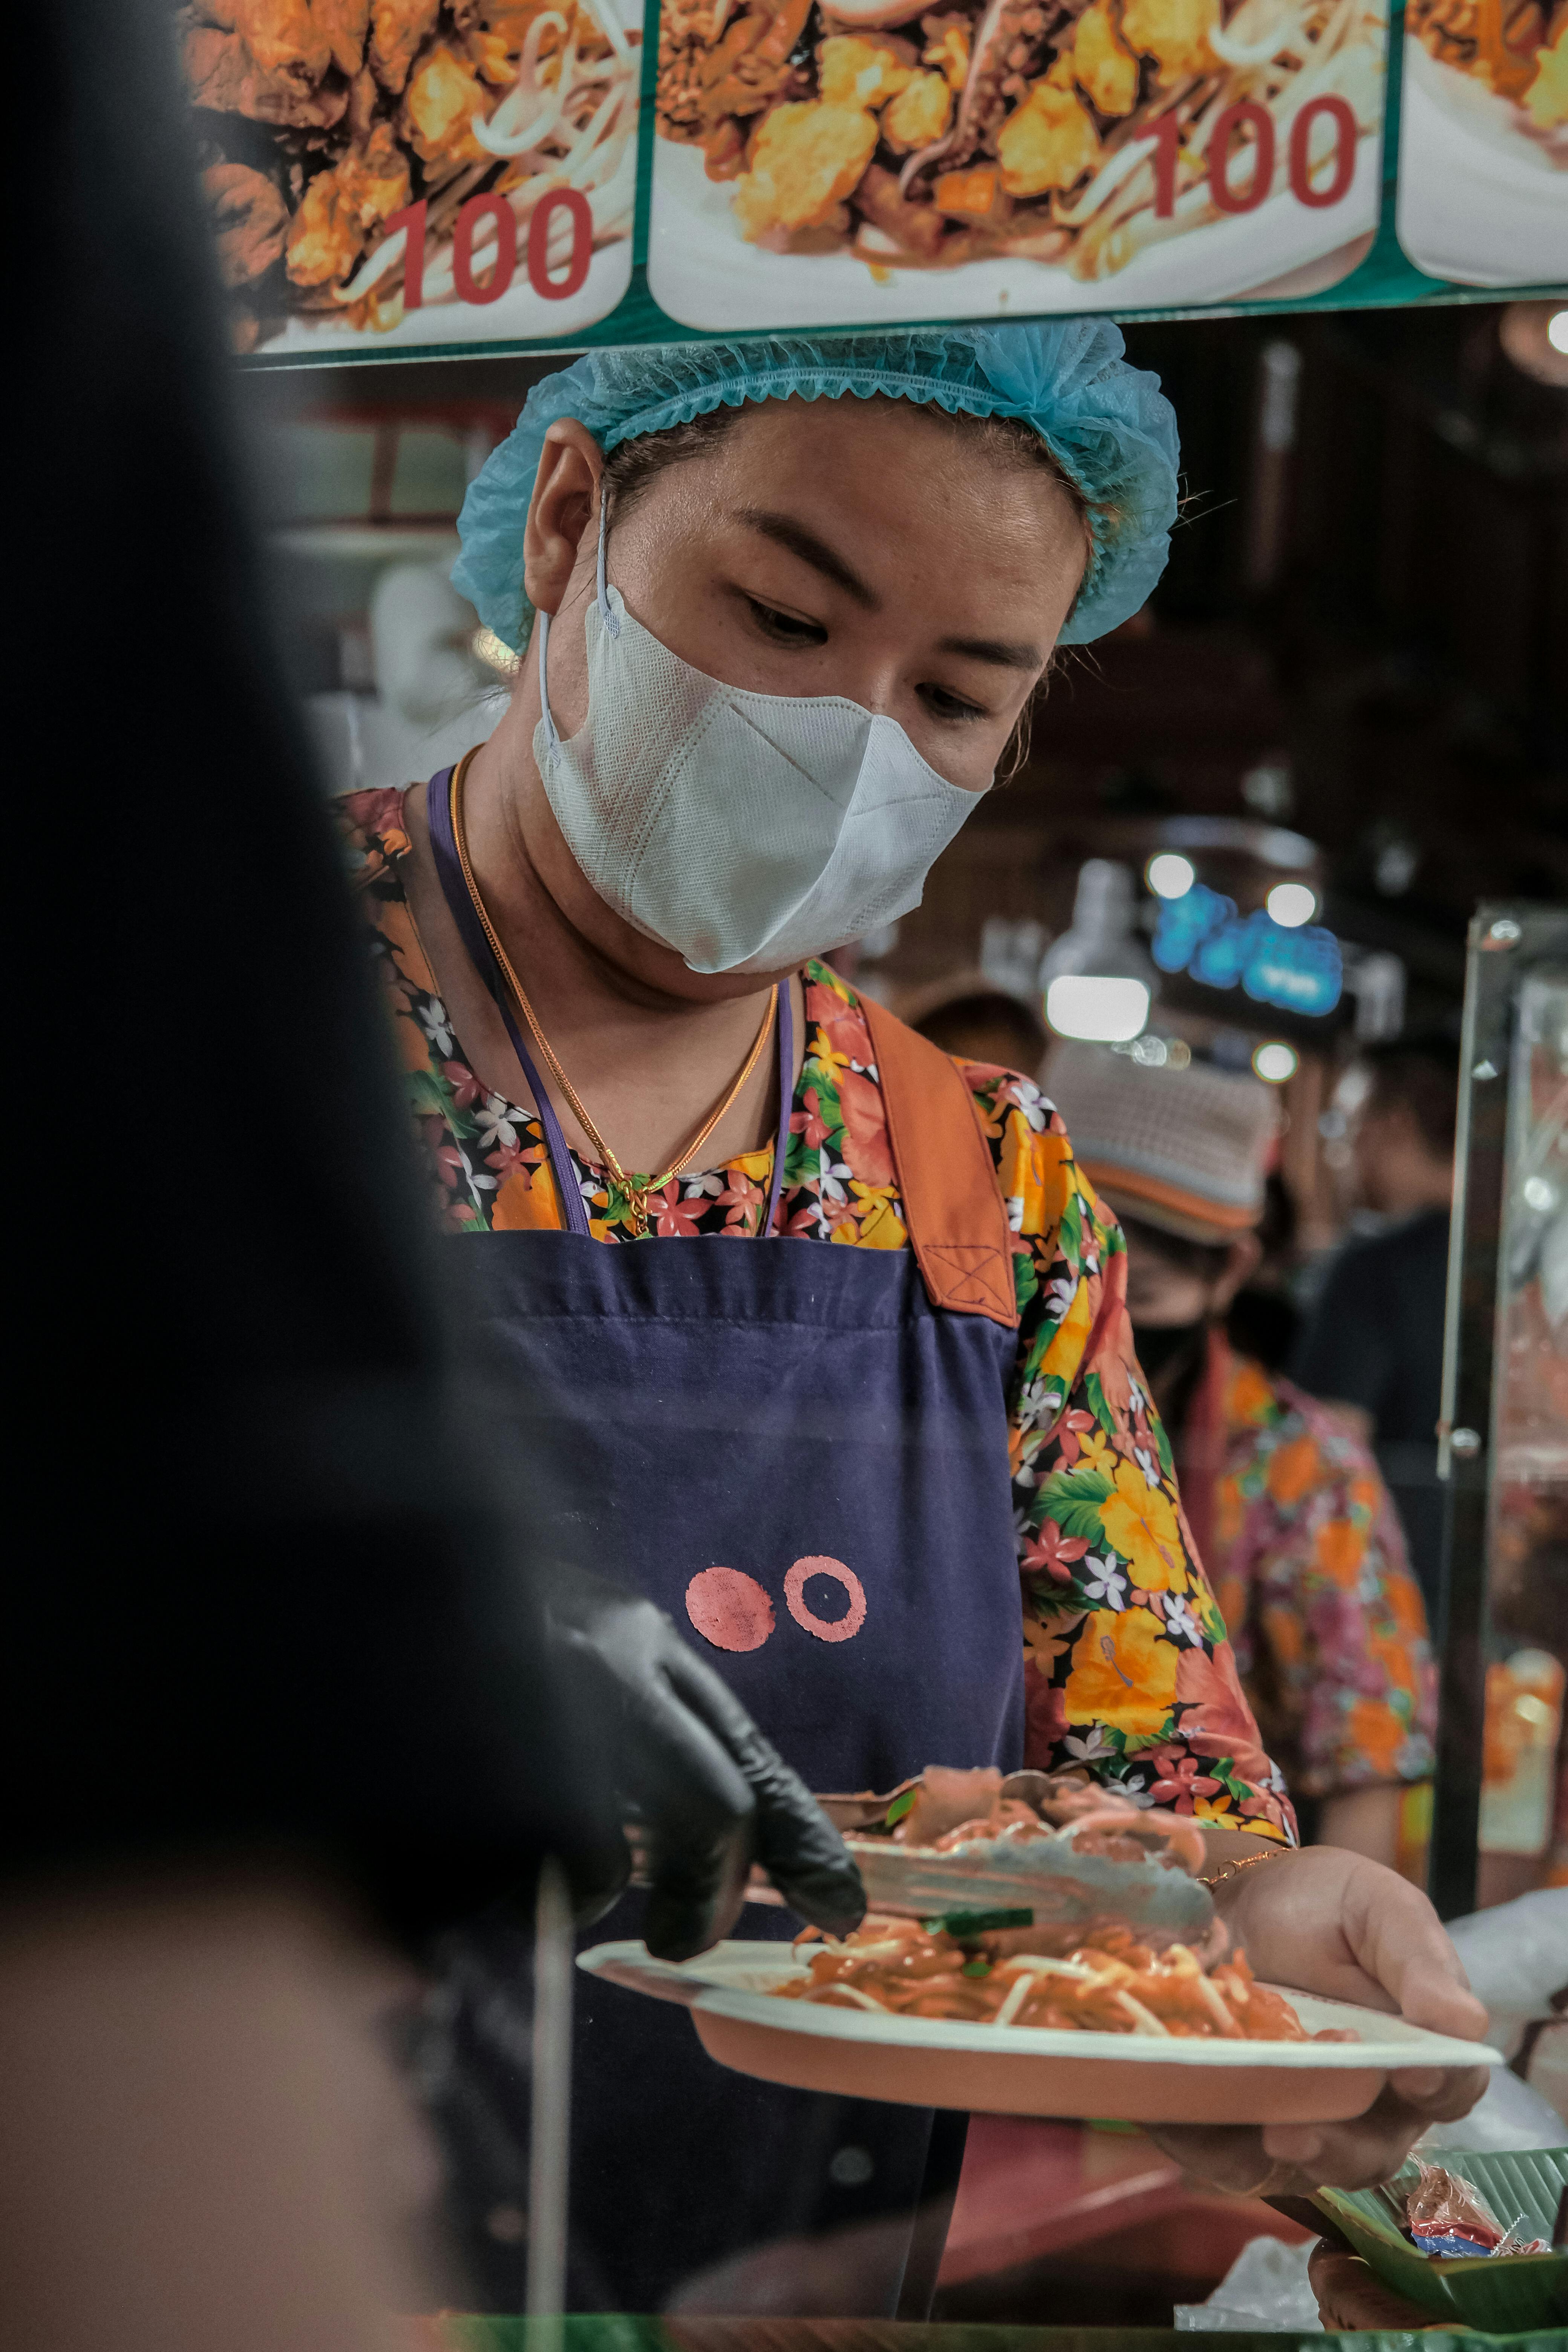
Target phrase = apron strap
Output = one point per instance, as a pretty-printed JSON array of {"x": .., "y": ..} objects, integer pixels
[
  {"x": 444, "y": 847},
  {"x": 954, "y": 1207}
]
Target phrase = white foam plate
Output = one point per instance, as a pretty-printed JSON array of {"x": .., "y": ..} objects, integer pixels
[
  {"x": 1480, "y": 201},
  {"x": 1025, "y": 2070}
]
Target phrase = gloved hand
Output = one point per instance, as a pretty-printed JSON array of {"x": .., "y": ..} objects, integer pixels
[{"x": 691, "y": 1771}]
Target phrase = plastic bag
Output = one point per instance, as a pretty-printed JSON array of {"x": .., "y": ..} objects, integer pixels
[
  {"x": 1266, "y": 2287},
  {"x": 1445, "y": 2215},
  {"x": 1508, "y": 2116}
]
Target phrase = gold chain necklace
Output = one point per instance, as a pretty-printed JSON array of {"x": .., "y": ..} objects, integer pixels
[{"x": 636, "y": 1191}]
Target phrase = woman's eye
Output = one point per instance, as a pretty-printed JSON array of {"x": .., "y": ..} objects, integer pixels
[
  {"x": 944, "y": 705},
  {"x": 787, "y": 628}
]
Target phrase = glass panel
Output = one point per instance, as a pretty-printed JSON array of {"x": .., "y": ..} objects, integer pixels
[{"x": 1527, "y": 1545}]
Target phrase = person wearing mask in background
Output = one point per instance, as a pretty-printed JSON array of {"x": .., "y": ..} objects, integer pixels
[
  {"x": 815, "y": 1324},
  {"x": 1374, "y": 1342},
  {"x": 289, "y": 1689},
  {"x": 1286, "y": 1505}
]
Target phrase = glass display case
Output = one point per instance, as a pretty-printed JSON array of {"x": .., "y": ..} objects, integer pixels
[{"x": 1499, "y": 1828}]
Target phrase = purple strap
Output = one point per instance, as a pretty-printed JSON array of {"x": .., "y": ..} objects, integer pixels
[
  {"x": 787, "y": 1104},
  {"x": 443, "y": 842}
]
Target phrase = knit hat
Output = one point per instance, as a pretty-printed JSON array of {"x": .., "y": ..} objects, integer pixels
[{"x": 1183, "y": 1149}]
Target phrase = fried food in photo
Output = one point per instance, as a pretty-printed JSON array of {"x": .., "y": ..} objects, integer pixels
[
  {"x": 370, "y": 105},
  {"x": 919, "y": 115},
  {"x": 1104, "y": 68},
  {"x": 805, "y": 159},
  {"x": 1048, "y": 142}
]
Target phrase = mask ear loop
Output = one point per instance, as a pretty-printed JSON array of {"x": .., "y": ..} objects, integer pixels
[{"x": 607, "y": 614}]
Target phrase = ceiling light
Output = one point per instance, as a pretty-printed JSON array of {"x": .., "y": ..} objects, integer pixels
[
  {"x": 1170, "y": 876},
  {"x": 1098, "y": 978},
  {"x": 1275, "y": 1062},
  {"x": 1534, "y": 335},
  {"x": 1102, "y": 1007},
  {"x": 1292, "y": 904}
]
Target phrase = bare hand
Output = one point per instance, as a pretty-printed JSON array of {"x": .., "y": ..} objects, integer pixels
[
  {"x": 1350, "y": 2295},
  {"x": 1334, "y": 1923}
]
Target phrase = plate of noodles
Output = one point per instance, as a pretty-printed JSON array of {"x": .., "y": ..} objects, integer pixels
[
  {"x": 422, "y": 172},
  {"x": 1032, "y": 1949},
  {"x": 915, "y": 161}
]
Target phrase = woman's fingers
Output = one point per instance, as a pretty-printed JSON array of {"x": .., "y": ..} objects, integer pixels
[
  {"x": 1292, "y": 2160},
  {"x": 700, "y": 1816},
  {"x": 1372, "y": 2146},
  {"x": 1225, "y": 2156},
  {"x": 1397, "y": 1937},
  {"x": 1350, "y": 2295}
]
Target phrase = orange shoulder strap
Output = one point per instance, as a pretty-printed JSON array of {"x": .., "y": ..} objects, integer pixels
[{"x": 947, "y": 1180}]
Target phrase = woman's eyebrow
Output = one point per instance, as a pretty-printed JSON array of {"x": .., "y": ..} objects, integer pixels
[
  {"x": 1007, "y": 651},
  {"x": 786, "y": 532}
]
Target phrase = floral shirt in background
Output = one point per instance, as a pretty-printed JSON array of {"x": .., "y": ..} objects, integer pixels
[
  {"x": 1310, "y": 1574},
  {"x": 1127, "y": 1666}
]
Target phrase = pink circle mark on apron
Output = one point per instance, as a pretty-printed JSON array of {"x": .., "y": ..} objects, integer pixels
[
  {"x": 826, "y": 1629},
  {"x": 730, "y": 1609}
]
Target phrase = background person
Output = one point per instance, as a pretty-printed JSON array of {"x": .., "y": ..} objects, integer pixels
[
  {"x": 1287, "y": 1508},
  {"x": 1374, "y": 1340}
]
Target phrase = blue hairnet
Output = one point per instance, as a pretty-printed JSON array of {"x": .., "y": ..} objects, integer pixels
[{"x": 1108, "y": 424}]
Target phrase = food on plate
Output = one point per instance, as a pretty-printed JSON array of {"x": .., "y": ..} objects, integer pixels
[
  {"x": 1117, "y": 1967},
  {"x": 1516, "y": 49},
  {"x": 1104, "y": 1981},
  {"x": 919, "y": 135},
  {"x": 321, "y": 121}
]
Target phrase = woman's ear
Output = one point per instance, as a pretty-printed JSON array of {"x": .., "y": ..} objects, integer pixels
[{"x": 564, "y": 503}]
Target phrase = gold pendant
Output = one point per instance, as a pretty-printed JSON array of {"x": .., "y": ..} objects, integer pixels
[{"x": 636, "y": 1199}]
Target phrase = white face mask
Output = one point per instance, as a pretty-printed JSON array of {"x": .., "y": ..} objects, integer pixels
[{"x": 745, "y": 831}]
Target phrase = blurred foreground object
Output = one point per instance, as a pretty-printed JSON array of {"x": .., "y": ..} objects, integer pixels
[
  {"x": 200, "y": 2140},
  {"x": 283, "y": 1689}
]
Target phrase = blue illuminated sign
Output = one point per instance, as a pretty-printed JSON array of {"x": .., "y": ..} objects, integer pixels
[{"x": 1202, "y": 934}]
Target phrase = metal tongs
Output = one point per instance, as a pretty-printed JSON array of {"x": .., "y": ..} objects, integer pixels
[{"x": 1037, "y": 1880}]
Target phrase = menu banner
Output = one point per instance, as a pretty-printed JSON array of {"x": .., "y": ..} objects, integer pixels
[{"x": 391, "y": 175}]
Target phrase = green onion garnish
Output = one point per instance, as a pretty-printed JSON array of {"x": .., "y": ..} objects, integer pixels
[{"x": 963, "y": 1924}]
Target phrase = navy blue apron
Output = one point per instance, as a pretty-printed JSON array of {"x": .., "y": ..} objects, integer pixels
[{"x": 804, "y": 1461}]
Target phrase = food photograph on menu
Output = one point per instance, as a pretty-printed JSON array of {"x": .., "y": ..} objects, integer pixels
[
  {"x": 908, "y": 159},
  {"x": 413, "y": 172},
  {"x": 1483, "y": 161}
]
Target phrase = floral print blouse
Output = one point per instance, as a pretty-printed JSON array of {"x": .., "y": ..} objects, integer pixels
[
  {"x": 1310, "y": 1574},
  {"x": 1127, "y": 1667}
]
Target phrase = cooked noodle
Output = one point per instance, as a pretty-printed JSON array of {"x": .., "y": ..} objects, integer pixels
[{"x": 1101, "y": 1980}]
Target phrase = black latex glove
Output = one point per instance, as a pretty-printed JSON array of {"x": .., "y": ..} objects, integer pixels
[{"x": 694, "y": 1776}]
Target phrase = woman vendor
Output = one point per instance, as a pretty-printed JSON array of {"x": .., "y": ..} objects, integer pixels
[{"x": 885, "y": 1458}]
